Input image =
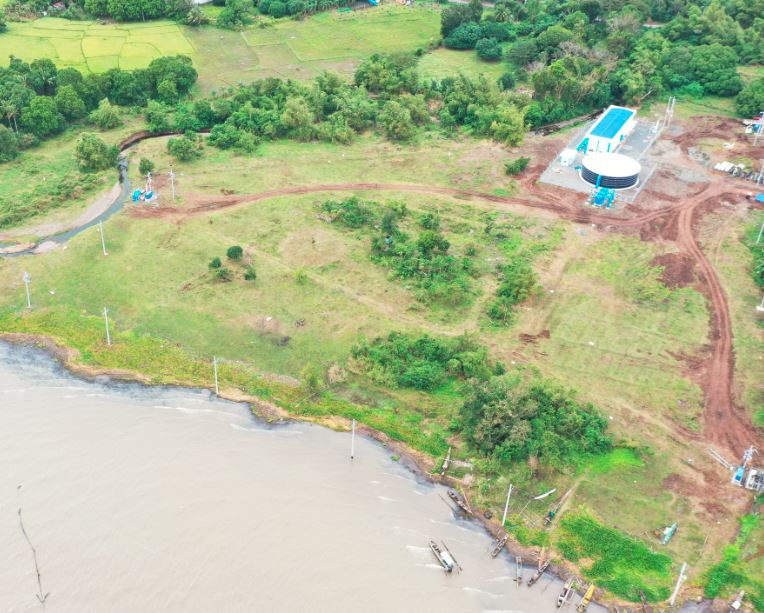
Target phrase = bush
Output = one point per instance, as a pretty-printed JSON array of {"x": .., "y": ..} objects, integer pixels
[
  {"x": 223, "y": 274},
  {"x": 9, "y": 144},
  {"x": 277, "y": 9},
  {"x": 488, "y": 49},
  {"x": 235, "y": 253},
  {"x": 250, "y": 274},
  {"x": 93, "y": 154},
  {"x": 214, "y": 263},
  {"x": 513, "y": 417},
  {"x": 183, "y": 149},
  {"x": 145, "y": 166},
  {"x": 750, "y": 101},
  {"x": 515, "y": 167},
  {"x": 507, "y": 81},
  {"x": 105, "y": 116},
  {"x": 424, "y": 363},
  {"x": 465, "y": 36}
]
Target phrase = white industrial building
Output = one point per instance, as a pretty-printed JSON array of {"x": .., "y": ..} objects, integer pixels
[{"x": 609, "y": 131}]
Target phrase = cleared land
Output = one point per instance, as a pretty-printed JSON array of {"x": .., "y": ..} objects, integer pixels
[
  {"x": 283, "y": 48},
  {"x": 620, "y": 319}
]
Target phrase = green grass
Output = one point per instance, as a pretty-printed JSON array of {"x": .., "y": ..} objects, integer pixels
[
  {"x": 444, "y": 62},
  {"x": 618, "y": 459},
  {"x": 44, "y": 183},
  {"x": 285, "y": 48},
  {"x": 622, "y": 565}
]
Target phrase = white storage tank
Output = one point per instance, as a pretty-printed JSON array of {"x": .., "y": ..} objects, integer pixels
[{"x": 611, "y": 170}]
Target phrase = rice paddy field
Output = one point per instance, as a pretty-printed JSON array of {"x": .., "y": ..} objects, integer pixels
[{"x": 283, "y": 48}]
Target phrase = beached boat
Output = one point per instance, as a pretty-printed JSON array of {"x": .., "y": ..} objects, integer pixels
[
  {"x": 499, "y": 545},
  {"x": 567, "y": 590},
  {"x": 537, "y": 575},
  {"x": 459, "y": 501}
]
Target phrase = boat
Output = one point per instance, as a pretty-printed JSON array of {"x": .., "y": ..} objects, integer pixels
[
  {"x": 537, "y": 575},
  {"x": 567, "y": 590},
  {"x": 459, "y": 501},
  {"x": 443, "y": 556},
  {"x": 586, "y": 600},
  {"x": 499, "y": 545}
]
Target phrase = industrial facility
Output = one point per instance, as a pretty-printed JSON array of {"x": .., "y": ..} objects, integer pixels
[
  {"x": 609, "y": 131},
  {"x": 611, "y": 170}
]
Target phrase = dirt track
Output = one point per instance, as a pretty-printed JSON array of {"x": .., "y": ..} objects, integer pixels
[{"x": 726, "y": 425}]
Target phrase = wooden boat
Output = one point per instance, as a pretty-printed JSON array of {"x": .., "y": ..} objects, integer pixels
[
  {"x": 586, "y": 600},
  {"x": 537, "y": 575},
  {"x": 459, "y": 501},
  {"x": 567, "y": 590},
  {"x": 499, "y": 545},
  {"x": 443, "y": 555}
]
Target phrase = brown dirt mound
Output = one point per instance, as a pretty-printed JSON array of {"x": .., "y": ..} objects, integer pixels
[
  {"x": 678, "y": 269},
  {"x": 532, "y": 338}
]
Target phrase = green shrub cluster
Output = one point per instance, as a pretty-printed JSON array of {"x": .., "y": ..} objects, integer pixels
[
  {"x": 757, "y": 254},
  {"x": 623, "y": 565},
  {"x": 423, "y": 362},
  {"x": 513, "y": 417}
]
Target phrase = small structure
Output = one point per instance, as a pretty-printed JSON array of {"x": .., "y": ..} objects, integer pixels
[
  {"x": 609, "y": 131},
  {"x": 610, "y": 170},
  {"x": 568, "y": 157}
]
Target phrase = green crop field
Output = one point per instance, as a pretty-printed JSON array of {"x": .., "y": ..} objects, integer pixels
[
  {"x": 444, "y": 62},
  {"x": 284, "y": 48}
]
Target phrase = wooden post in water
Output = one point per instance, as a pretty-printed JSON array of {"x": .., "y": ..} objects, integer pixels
[
  {"x": 352, "y": 439},
  {"x": 518, "y": 570}
]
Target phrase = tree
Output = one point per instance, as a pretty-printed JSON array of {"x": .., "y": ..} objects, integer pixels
[
  {"x": 69, "y": 103},
  {"x": 522, "y": 53},
  {"x": 750, "y": 101},
  {"x": 488, "y": 49},
  {"x": 3, "y": 25},
  {"x": 41, "y": 117},
  {"x": 235, "y": 253},
  {"x": 183, "y": 149},
  {"x": 297, "y": 118},
  {"x": 93, "y": 154},
  {"x": 105, "y": 116},
  {"x": 145, "y": 166},
  {"x": 715, "y": 68},
  {"x": 464, "y": 37},
  {"x": 506, "y": 81},
  {"x": 396, "y": 121},
  {"x": 196, "y": 17},
  {"x": 508, "y": 125},
  {"x": 9, "y": 144},
  {"x": 214, "y": 263},
  {"x": 235, "y": 14},
  {"x": 552, "y": 37},
  {"x": 452, "y": 16},
  {"x": 277, "y": 9},
  {"x": 42, "y": 77},
  {"x": 167, "y": 91}
]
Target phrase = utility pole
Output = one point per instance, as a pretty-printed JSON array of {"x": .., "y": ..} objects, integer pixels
[
  {"x": 352, "y": 439},
  {"x": 506, "y": 506},
  {"x": 106, "y": 321},
  {"x": 679, "y": 582},
  {"x": 761, "y": 231},
  {"x": 172, "y": 183},
  {"x": 27, "y": 278},
  {"x": 215, "y": 369},
  {"x": 758, "y": 308},
  {"x": 103, "y": 240}
]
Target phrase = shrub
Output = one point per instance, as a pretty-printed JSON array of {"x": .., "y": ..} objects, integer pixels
[
  {"x": 515, "y": 167},
  {"x": 9, "y": 144},
  {"x": 105, "y": 116},
  {"x": 183, "y": 149},
  {"x": 235, "y": 253},
  {"x": 507, "y": 81},
  {"x": 214, "y": 263},
  {"x": 488, "y": 49},
  {"x": 465, "y": 36},
  {"x": 145, "y": 166},
  {"x": 93, "y": 154},
  {"x": 277, "y": 9},
  {"x": 250, "y": 274},
  {"x": 222, "y": 274}
]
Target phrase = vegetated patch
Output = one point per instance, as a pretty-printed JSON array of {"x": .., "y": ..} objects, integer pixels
[
  {"x": 757, "y": 252},
  {"x": 520, "y": 415},
  {"x": 735, "y": 571},
  {"x": 623, "y": 565},
  {"x": 425, "y": 262},
  {"x": 424, "y": 363},
  {"x": 618, "y": 458}
]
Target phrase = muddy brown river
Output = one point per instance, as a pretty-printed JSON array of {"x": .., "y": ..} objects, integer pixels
[{"x": 141, "y": 499}]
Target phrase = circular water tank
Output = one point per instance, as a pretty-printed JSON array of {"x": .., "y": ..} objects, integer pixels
[{"x": 612, "y": 170}]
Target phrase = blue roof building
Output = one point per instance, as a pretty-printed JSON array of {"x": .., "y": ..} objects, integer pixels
[{"x": 610, "y": 130}]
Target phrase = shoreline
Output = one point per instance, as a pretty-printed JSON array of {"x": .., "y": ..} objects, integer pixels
[{"x": 419, "y": 463}]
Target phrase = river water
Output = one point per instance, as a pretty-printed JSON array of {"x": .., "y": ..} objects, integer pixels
[{"x": 144, "y": 499}]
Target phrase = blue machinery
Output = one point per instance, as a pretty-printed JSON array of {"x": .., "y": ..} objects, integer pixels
[{"x": 602, "y": 197}]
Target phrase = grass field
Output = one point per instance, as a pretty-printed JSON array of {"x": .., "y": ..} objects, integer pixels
[
  {"x": 284, "y": 48},
  {"x": 444, "y": 62}
]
